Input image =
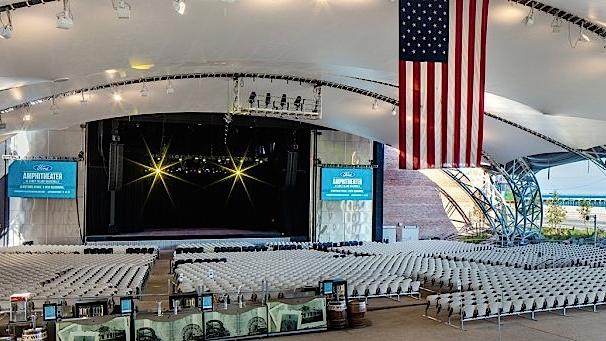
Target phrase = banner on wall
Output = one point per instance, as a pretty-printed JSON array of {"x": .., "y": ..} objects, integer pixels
[
  {"x": 346, "y": 184},
  {"x": 42, "y": 179},
  {"x": 170, "y": 328},
  {"x": 297, "y": 315},
  {"x": 106, "y": 328}
]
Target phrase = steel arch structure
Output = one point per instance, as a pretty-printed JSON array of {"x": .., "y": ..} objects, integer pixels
[
  {"x": 496, "y": 212},
  {"x": 454, "y": 211},
  {"x": 528, "y": 203}
]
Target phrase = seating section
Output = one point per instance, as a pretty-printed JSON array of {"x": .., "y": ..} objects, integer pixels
[
  {"x": 78, "y": 249},
  {"x": 237, "y": 246},
  {"x": 288, "y": 270},
  {"x": 67, "y": 272},
  {"x": 212, "y": 246},
  {"x": 421, "y": 248},
  {"x": 537, "y": 256},
  {"x": 471, "y": 281},
  {"x": 513, "y": 281}
]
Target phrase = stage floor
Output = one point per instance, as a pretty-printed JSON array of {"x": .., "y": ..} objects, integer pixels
[{"x": 184, "y": 234}]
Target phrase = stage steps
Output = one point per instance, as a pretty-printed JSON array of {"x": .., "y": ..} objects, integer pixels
[{"x": 156, "y": 288}]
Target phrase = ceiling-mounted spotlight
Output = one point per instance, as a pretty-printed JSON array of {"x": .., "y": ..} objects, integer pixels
[
  {"x": 529, "y": 19},
  {"x": 116, "y": 96},
  {"x": 556, "y": 25},
  {"x": 65, "y": 19},
  {"x": 6, "y": 30},
  {"x": 394, "y": 112},
  {"x": 169, "y": 88},
  {"x": 144, "y": 90},
  {"x": 122, "y": 9},
  {"x": 375, "y": 104},
  {"x": 27, "y": 117},
  {"x": 179, "y": 6}
]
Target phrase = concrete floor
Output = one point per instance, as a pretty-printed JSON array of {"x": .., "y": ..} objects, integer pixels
[
  {"x": 156, "y": 288},
  {"x": 404, "y": 321},
  {"x": 409, "y": 324}
]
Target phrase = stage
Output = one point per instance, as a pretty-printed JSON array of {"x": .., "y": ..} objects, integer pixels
[{"x": 184, "y": 234}]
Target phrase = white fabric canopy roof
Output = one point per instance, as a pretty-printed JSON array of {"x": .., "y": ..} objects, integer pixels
[{"x": 534, "y": 77}]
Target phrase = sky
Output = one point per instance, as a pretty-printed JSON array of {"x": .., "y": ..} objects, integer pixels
[{"x": 575, "y": 178}]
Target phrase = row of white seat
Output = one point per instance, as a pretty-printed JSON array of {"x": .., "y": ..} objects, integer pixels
[
  {"x": 537, "y": 256},
  {"x": 288, "y": 270},
  {"x": 76, "y": 249},
  {"x": 421, "y": 248},
  {"x": 490, "y": 290},
  {"x": 70, "y": 276}
]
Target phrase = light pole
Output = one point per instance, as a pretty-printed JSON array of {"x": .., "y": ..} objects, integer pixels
[{"x": 595, "y": 228}]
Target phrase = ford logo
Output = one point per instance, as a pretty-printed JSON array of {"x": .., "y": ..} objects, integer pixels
[
  {"x": 43, "y": 168},
  {"x": 348, "y": 174}
]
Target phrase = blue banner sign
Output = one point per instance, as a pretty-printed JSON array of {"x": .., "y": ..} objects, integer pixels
[
  {"x": 346, "y": 184},
  {"x": 42, "y": 179}
]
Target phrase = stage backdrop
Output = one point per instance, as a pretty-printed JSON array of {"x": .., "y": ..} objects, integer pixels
[{"x": 254, "y": 180}]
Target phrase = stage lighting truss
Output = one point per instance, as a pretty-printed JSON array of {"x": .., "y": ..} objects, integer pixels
[
  {"x": 309, "y": 83},
  {"x": 306, "y": 104}
]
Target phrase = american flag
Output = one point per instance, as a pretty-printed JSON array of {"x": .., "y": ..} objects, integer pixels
[{"x": 442, "y": 77}]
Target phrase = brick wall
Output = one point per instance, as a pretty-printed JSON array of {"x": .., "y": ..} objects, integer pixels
[{"x": 410, "y": 198}]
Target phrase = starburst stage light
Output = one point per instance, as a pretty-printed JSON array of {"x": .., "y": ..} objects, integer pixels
[
  {"x": 159, "y": 170},
  {"x": 238, "y": 173}
]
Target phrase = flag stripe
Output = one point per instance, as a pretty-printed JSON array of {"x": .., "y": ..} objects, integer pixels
[
  {"x": 451, "y": 85},
  {"x": 482, "y": 81},
  {"x": 445, "y": 111},
  {"x": 402, "y": 118},
  {"x": 470, "y": 79},
  {"x": 423, "y": 116},
  {"x": 431, "y": 149},
  {"x": 409, "y": 90},
  {"x": 416, "y": 117},
  {"x": 458, "y": 90},
  {"x": 438, "y": 115},
  {"x": 476, "y": 80}
]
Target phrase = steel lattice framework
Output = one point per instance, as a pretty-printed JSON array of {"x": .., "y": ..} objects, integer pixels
[
  {"x": 528, "y": 203},
  {"x": 454, "y": 211},
  {"x": 496, "y": 212},
  {"x": 210, "y": 75}
]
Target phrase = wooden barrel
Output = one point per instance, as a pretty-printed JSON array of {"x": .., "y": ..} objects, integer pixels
[
  {"x": 357, "y": 313},
  {"x": 337, "y": 314}
]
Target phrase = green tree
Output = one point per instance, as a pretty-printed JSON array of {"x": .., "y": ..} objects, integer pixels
[
  {"x": 584, "y": 210},
  {"x": 555, "y": 212}
]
